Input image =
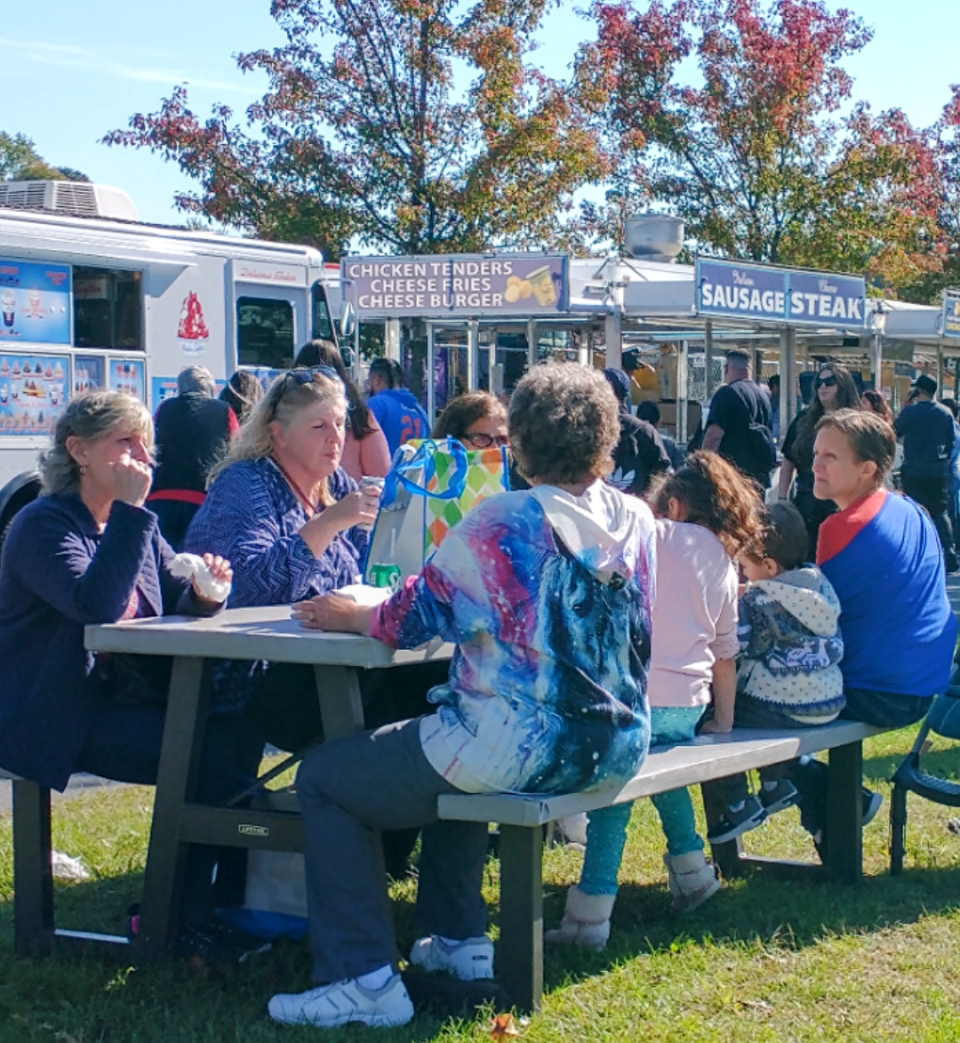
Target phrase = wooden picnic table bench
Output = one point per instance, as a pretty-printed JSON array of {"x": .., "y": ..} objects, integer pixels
[{"x": 519, "y": 958}]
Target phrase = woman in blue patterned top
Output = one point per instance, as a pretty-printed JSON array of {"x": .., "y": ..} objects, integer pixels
[
  {"x": 292, "y": 520},
  {"x": 546, "y": 594}
]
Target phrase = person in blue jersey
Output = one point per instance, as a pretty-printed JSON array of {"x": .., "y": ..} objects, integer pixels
[
  {"x": 396, "y": 410},
  {"x": 899, "y": 636},
  {"x": 547, "y": 594}
]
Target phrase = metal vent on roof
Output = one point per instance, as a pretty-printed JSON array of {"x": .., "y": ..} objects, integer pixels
[
  {"x": 75, "y": 197},
  {"x": 29, "y": 194}
]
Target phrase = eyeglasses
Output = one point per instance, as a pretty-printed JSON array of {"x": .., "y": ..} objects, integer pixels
[
  {"x": 825, "y": 382},
  {"x": 481, "y": 441}
]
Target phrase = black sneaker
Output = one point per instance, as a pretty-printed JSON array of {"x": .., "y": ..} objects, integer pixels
[
  {"x": 216, "y": 944},
  {"x": 784, "y": 796},
  {"x": 733, "y": 823},
  {"x": 871, "y": 805}
]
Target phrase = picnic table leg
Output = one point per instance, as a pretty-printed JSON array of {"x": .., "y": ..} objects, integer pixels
[
  {"x": 844, "y": 856},
  {"x": 898, "y": 827},
  {"x": 726, "y": 857},
  {"x": 176, "y": 782},
  {"x": 520, "y": 955},
  {"x": 338, "y": 689},
  {"x": 32, "y": 872}
]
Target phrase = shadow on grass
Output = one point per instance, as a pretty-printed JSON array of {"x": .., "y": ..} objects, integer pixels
[
  {"x": 944, "y": 764},
  {"x": 752, "y": 909}
]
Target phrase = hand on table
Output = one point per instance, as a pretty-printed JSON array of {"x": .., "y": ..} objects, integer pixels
[
  {"x": 333, "y": 612},
  {"x": 716, "y": 727}
]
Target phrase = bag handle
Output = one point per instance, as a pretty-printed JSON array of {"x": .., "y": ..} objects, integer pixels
[{"x": 423, "y": 458}]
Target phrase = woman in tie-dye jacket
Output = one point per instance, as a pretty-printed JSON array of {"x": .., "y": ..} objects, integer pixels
[{"x": 546, "y": 594}]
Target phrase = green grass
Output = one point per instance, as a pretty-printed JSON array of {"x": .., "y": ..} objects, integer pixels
[{"x": 762, "y": 961}]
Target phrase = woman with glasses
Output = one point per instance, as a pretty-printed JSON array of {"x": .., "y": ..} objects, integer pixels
[
  {"x": 365, "y": 451},
  {"x": 478, "y": 420},
  {"x": 834, "y": 389}
]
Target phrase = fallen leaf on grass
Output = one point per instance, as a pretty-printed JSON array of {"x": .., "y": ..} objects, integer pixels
[
  {"x": 502, "y": 1026},
  {"x": 755, "y": 1004}
]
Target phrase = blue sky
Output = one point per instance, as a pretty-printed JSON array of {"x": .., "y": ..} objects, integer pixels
[{"x": 83, "y": 69}]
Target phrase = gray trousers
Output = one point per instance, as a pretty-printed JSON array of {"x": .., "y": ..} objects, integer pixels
[{"x": 351, "y": 788}]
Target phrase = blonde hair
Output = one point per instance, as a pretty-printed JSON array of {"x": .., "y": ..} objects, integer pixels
[
  {"x": 90, "y": 416},
  {"x": 287, "y": 396}
]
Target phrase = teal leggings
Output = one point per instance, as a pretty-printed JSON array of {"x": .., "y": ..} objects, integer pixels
[{"x": 607, "y": 827}]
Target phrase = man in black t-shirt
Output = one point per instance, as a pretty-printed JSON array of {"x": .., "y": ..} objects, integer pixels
[
  {"x": 927, "y": 431},
  {"x": 738, "y": 410}
]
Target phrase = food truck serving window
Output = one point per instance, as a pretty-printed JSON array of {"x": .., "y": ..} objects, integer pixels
[
  {"x": 107, "y": 309},
  {"x": 264, "y": 332}
]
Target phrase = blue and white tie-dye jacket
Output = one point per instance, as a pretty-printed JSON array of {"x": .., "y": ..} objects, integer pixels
[{"x": 547, "y": 597}]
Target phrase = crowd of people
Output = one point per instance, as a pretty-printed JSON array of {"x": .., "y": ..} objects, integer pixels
[{"x": 622, "y": 594}]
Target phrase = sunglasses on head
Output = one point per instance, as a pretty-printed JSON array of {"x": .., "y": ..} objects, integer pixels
[
  {"x": 481, "y": 441},
  {"x": 305, "y": 375},
  {"x": 825, "y": 382}
]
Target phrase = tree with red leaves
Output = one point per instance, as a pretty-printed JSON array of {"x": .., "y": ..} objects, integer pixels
[
  {"x": 757, "y": 157},
  {"x": 364, "y": 133}
]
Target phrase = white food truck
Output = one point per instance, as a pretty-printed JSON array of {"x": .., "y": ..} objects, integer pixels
[{"x": 90, "y": 297}]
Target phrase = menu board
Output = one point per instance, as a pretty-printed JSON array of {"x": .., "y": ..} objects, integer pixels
[
  {"x": 127, "y": 375},
  {"x": 33, "y": 390},
  {"x": 34, "y": 303}
]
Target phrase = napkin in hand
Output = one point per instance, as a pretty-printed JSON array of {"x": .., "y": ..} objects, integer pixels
[
  {"x": 364, "y": 594},
  {"x": 192, "y": 566}
]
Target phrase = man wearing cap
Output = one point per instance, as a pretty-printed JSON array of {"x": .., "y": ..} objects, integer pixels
[
  {"x": 926, "y": 429},
  {"x": 642, "y": 378},
  {"x": 639, "y": 454}
]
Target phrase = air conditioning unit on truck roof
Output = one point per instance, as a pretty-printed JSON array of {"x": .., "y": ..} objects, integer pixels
[{"x": 76, "y": 198}]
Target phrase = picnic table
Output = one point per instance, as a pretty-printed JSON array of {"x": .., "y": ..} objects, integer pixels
[{"x": 194, "y": 644}]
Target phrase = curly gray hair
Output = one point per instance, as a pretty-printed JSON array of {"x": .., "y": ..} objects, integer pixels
[{"x": 564, "y": 423}]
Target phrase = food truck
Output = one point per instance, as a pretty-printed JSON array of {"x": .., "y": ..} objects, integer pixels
[{"x": 92, "y": 298}]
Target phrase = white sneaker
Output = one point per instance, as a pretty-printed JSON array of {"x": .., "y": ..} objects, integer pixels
[
  {"x": 467, "y": 960},
  {"x": 331, "y": 1005}
]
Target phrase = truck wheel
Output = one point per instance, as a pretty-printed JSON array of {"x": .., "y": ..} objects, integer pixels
[{"x": 14, "y": 496}]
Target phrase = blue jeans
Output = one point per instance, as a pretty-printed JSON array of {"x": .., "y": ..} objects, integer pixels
[{"x": 607, "y": 827}]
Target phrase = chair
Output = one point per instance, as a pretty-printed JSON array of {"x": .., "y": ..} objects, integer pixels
[{"x": 943, "y": 719}]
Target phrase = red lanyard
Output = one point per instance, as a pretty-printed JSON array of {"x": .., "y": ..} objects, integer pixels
[{"x": 297, "y": 491}]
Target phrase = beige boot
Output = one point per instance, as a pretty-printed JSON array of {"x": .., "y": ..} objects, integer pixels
[
  {"x": 586, "y": 921},
  {"x": 692, "y": 880}
]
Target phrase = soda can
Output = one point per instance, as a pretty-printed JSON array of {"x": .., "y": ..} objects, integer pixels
[
  {"x": 370, "y": 482},
  {"x": 385, "y": 576}
]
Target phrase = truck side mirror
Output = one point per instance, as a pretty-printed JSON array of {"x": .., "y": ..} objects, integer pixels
[{"x": 348, "y": 320}]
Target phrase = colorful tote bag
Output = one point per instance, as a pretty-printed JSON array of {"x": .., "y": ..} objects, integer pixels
[{"x": 430, "y": 488}]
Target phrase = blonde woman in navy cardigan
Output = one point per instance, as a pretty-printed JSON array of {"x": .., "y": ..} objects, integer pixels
[{"x": 86, "y": 552}]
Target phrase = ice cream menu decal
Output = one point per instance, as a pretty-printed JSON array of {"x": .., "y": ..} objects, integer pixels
[
  {"x": 34, "y": 303},
  {"x": 33, "y": 390}
]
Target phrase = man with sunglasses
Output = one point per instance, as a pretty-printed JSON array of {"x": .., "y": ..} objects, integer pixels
[
  {"x": 926, "y": 429},
  {"x": 739, "y": 421}
]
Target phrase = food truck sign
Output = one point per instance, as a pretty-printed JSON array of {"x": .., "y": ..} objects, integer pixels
[
  {"x": 780, "y": 295},
  {"x": 951, "y": 313},
  {"x": 466, "y": 285}
]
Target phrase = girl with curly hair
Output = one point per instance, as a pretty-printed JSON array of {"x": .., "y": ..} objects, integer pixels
[
  {"x": 707, "y": 512},
  {"x": 835, "y": 389}
]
